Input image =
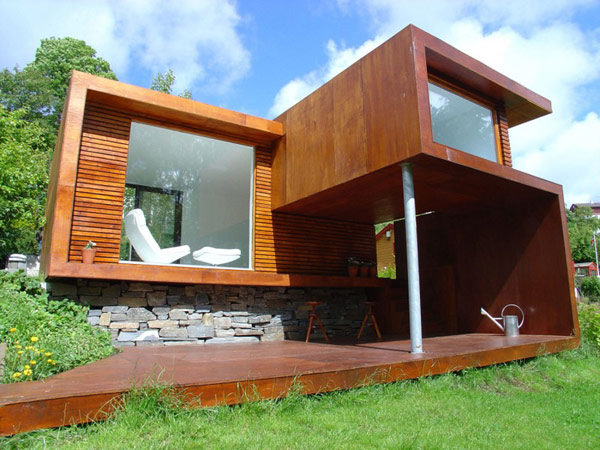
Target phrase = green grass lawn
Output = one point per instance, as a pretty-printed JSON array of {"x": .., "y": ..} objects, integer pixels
[{"x": 547, "y": 402}]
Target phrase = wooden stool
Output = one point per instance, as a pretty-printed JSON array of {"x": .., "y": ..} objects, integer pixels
[
  {"x": 311, "y": 321},
  {"x": 370, "y": 315}
]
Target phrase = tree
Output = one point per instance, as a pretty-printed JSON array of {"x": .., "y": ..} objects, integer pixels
[
  {"x": 40, "y": 89},
  {"x": 31, "y": 104},
  {"x": 164, "y": 83},
  {"x": 23, "y": 182},
  {"x": 582, "y": 223}
]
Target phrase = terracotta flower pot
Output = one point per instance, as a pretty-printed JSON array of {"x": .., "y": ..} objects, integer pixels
[
  {"x": 88, "y": 255},
  {"x": 373, "y": 271},
  {"x": 353, "y": 271},
  {"x": 364, "y": 271}
]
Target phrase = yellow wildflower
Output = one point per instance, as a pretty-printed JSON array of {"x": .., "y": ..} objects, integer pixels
[
  {"x": 53, "y": 363},
  {"x": 36, "y": 350},
  {"x": 50, "y": 361},
  {"x": 27, "y": 367},
  {"x": 17, "y": 346},
  {"x": 16, "y": 374},
  {"x": 32, "y": 362},
  {"x": 19, "y": 352},
  {"x": 27, "y": 372},
  {"x": 29, "y": 347},
  {"x": 48, "y": 354},
  {"x": 34, "y": 339},
  {"x": 12, "y": 330}
]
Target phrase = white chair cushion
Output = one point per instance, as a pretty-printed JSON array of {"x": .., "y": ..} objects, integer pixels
[{"x": 217, "y": 256}]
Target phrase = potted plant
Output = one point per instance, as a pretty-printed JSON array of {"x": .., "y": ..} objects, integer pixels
[
  {"x": 88, "y": 253},
  {"x": 372, "y": 269},
  {"x": 353, "y": 265},
  {"x": 364, "y": 269}
]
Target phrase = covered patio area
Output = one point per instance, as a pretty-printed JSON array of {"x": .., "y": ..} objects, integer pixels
[{"x": 211, "y": 375}]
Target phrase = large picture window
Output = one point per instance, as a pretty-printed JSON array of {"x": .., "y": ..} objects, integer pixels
[
  {"x": 188, "y": 199},
  {"x": 462, "y": 124}
]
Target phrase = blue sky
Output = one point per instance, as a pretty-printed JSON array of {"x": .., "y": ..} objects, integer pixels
[{"x": 262, "y": 56}]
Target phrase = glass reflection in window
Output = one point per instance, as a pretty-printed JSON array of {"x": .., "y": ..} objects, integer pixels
[
  {"x": 461, "y": 123},
  {"x": 193, "y": 191}
]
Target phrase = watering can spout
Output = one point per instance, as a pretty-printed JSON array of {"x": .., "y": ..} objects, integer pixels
[{"x": 485, "y": 313}]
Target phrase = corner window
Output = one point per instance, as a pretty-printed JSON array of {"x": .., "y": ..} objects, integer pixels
[
  {"x": 188, "y": 200},
  {"x": 461, "y": 123}
]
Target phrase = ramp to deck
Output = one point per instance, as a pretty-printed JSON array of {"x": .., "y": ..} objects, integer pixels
[{"x": 234, "y": 373}]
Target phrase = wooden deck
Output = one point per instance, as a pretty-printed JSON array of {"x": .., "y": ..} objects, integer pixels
[{"x": 233, "y": 373}]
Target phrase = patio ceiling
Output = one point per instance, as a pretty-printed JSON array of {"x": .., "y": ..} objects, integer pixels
[{"x": 440, "y": 185}]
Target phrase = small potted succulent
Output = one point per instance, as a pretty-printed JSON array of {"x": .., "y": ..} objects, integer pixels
[
  {"x": 88, "y": 253},
  {"x": 364, "y": 269},
  {"x": 353, "y": 266},
  {"x": 372, "y": 269}
]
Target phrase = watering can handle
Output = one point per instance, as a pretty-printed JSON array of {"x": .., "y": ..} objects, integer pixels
[{"x": 519, "y": 308}]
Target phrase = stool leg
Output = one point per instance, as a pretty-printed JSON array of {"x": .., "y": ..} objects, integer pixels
[
  {"x": 310, "y": 325},
  {"x": 375, "y": 325},
  {"x": 322, "y": 328},
  {"x": 362, "y": 327}
]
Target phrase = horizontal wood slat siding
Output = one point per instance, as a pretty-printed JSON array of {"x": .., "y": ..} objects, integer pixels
[
  {"x": 504, "y": 141},
  {"x": 100, "y": 187},
  {"x": 289, "y": 243}
]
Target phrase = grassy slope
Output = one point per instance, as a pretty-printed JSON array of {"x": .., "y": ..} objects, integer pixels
[{"x": 548, "y": 402}]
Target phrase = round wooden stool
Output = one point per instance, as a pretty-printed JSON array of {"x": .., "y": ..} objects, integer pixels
[
  {"x": 370, "y": 315},
  {"x": 311, "y": 321}
]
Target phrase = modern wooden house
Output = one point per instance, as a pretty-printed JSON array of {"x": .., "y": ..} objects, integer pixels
[{"x": 258, "y": 217}]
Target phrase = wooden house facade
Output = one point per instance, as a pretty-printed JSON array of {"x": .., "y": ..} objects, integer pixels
[{"x": 309, "y": 185}]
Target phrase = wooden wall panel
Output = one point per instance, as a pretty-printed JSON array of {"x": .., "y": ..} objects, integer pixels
[
  {"x": 504, "y": 141},
  {"x": 283, "y": 243},
  {"x": 288, "y": 243},
  {"x": 100, "y": 186}
]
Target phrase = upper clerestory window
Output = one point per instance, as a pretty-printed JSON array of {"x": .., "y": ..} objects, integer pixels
[{"x": 462, "y": 124}]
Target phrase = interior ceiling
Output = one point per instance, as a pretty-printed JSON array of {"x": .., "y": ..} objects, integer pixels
[{"x": 440, "y": 186}]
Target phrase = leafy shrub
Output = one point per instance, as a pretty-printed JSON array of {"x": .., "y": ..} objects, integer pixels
[
  {"x": 44, "y": 336},
  {"x": 590, "y": 288},
  {"x": 589, "y": 323}
]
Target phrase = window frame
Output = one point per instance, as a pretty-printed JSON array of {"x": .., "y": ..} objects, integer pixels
[
  {"x": 210, "y": 135},
  {"x": 474, "y": 97}
]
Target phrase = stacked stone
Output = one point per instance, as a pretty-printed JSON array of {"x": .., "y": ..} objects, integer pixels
[
  {"x": 183, "y": 324},
  {"x": 147, "y": 313}
]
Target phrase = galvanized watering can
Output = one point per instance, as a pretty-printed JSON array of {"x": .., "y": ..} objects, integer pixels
[{"x": 511, "y": 322}]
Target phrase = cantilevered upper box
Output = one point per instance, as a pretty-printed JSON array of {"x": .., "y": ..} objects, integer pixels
[{"x": 412, "y": 98}]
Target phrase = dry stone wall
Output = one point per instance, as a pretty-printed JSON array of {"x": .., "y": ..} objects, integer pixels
[{"x": 160, "y": 314}]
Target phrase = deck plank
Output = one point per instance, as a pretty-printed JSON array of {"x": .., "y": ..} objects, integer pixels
[{"x": 232, "y": 373}]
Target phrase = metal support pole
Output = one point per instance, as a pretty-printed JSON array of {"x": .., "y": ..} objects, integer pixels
[{"x": 412, "y": 259}]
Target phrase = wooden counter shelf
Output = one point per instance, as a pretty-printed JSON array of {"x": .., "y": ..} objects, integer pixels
[{"x": 194, "y": 275}]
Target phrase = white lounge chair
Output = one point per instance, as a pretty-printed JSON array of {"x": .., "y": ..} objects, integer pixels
[
  {"x": 217, "y": 256},
  {"x": 144, "y": 243}
]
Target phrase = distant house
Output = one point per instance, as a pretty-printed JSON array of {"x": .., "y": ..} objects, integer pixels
[
  {"x": 588, "y": 269},
  {"x": 595, "y": 207},
  {"x": 384, "y": 242}
]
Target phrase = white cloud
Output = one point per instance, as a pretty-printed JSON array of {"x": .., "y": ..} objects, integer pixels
[
  {"x": 339, "y": 57},
  {"x": 532, "y": 42},
  {"x": 198, "y": 39}
]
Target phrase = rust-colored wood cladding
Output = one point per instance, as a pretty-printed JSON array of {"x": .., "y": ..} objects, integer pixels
[
  {"x": 296, "y": 244},
  {"x": 365, "y": 119},
  {"x": 235, "y": 373},
  {"x": 98, "y": 202},
  {"x": 375, "y": 114},
  {"x": 503, "y": 132},
  {"x": 488, "y": 259}
]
